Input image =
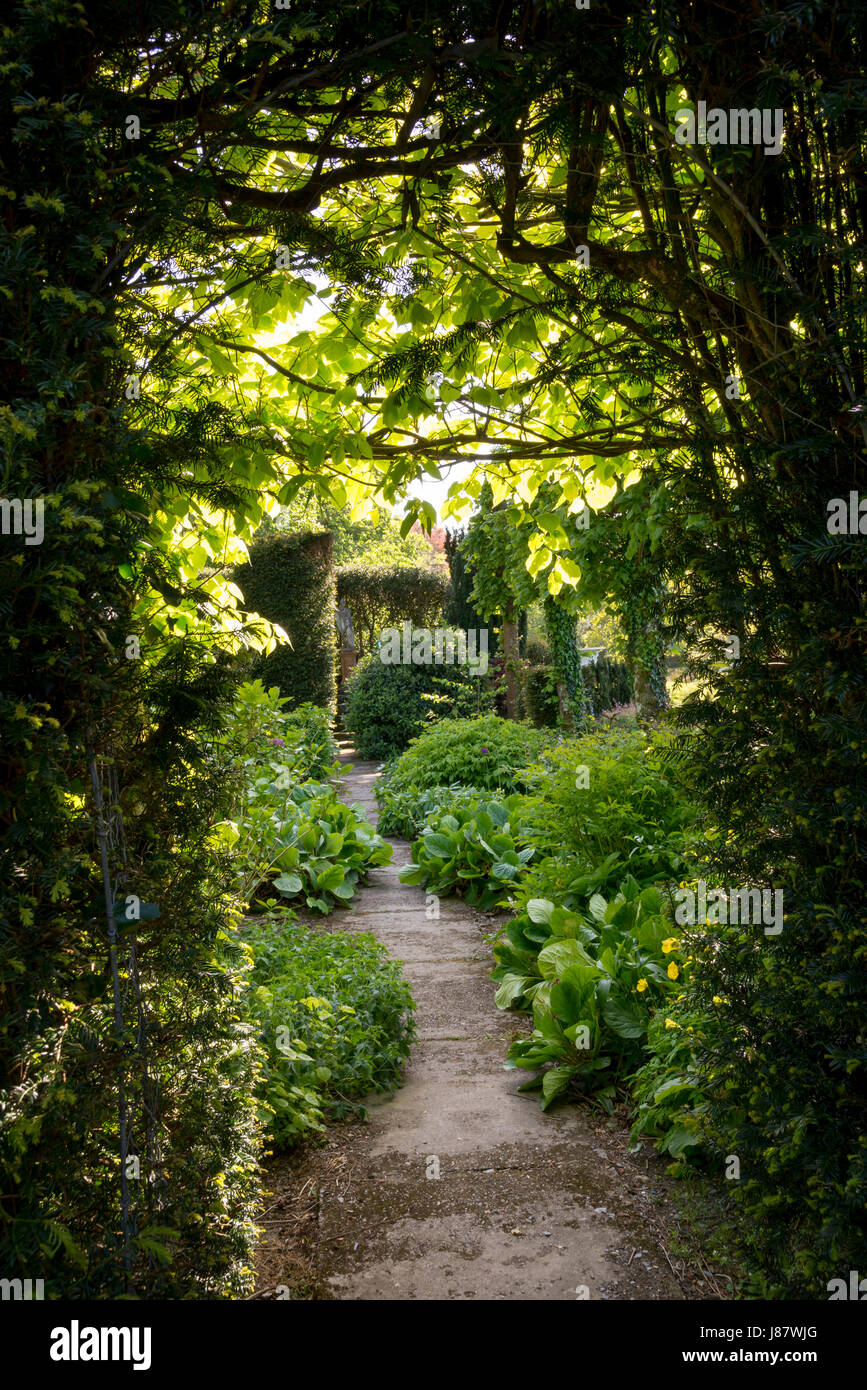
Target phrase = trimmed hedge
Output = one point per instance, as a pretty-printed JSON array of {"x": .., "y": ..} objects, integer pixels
[
  {"x": 380, "y": 596},
  {"x": 538, "y": 652},
  {"x": 387, "y": 705},
  {"x": 459, "y": 610},
  {"x": 606, "y": 683},
  {"x": 290, "y": 581}
]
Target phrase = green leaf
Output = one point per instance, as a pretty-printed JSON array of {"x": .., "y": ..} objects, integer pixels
[
  {"x": 554, "y": 1083},
  {"x": 539, "y": 910},
  {"x": 440, "y": 845},
  {"x": 330, "y": 878},
  {"x": 624, "y": 1019},
  {"x": 555, "y": 958},
  {"x": 512, "y": 988},
  {"x": 567, "y": 1001},
  {"x": 597, "y": 907},
  {"x": 288, "y": 884},
  {"x": 680, "y": 1139}
]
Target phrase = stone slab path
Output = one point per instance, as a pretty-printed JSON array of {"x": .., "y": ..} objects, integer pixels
[{"x": 459, "y": 1187}]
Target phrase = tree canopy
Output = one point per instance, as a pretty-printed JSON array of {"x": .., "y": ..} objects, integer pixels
[{"x": 523, "y": 271}]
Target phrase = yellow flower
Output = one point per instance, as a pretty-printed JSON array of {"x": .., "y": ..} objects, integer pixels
[
  {"x": 641, "y": 986},
  {"x": 716, "y": 999},
  {"x": 670, "y": 1023},
  {"x": 670, "y": 944},
  {"x": 673, "y": 971}
]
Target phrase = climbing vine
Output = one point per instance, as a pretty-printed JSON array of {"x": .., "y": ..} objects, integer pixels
[{"x": 567, "y": 657}]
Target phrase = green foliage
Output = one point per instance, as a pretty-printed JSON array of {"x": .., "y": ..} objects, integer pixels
[
  {"x": 621, "y": 561},
  {"x": 562, "y": 634},
  {"x": 404, "y": 810},
  {"x": 116, "y": 254},
  {"x": 368, "y": 541},
  {"x": 488, "y": 752},
  {"x": 459, "y": 610},
  {"x": 781, "y": 1050},
  {"x": 594, "y": 974},
  {"x": 289, "y": 580},
  {"x": 381, "y": 596},
  {"x": 612, "y": 791},
  {"x": 300, "y": 840},
  {"x": 190, "y": 1090},
  {"x": 538, "y": 652},
  {"x": 539, "y": 684},
  {"x": 666, "y": 1091},
  {"x": 472, "y": 849},
  {"x": 602, "y": 628},
  {"x": 388, "y": 704},
  {"x": 287, "y": 831},
  {"x": 307, "y": 751},
  {"x": 334, "y": 1016},
  {"x": 606, "y": 684}
]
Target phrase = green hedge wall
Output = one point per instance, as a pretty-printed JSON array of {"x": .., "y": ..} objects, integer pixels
[
  {"x": 388, "y": 705},
  {"x": 607, "y": 683},
  {"x": 379, "y": 596},
  {"x": 290, "y": 581},
  {"x": 540, "y": 695}
]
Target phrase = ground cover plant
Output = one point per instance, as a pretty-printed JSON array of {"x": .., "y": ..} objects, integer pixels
[
  {"x": 487, "y": 752},
  {"x": 334, "y": 1018},
  {"x": 404, "y": 810},
  {"x": 474, "y": 849},
  {"x": 595, "y": 976},
  {"x": 612, "y": 791}
]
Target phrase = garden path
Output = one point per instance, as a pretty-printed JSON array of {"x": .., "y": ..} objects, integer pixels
[{"x": 525, "y": 1205}]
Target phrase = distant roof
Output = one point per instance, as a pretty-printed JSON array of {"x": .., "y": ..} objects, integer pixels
[{"x": 436, "y": 539}]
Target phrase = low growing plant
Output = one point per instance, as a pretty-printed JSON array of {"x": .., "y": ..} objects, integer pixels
[
  {"x": 300, "y": 840},
  {"x": 472, "y": 850},
  {"x": 611, "y": 791},
  {"x": 594, "y": 978},
  {"x": 488, "y": 752},
  {"x": 670, "y": 1101},
  {"x": 335, "y": 1018},
  {"x": 403, "y": 811},
  {"x": 288, "y": 830}
]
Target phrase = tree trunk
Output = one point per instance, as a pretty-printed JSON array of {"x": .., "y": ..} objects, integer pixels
[
  {"x": 648, "y": 704},
  {"x": 510, "y": 652},
  {"x": 567, "y": 718}
]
